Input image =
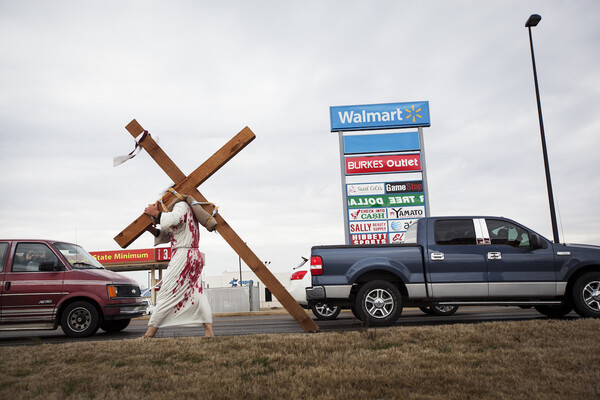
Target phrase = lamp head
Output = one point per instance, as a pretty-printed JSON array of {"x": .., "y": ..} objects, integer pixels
[{"x": 533, "y": 20}]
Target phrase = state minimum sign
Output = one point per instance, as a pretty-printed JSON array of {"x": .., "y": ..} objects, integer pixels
[{"x": 379, "y": 116}]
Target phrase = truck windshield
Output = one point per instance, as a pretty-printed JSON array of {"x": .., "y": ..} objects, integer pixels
[
  {"x": 411, "y": 234},
  {"x": 77, "y": 256}
]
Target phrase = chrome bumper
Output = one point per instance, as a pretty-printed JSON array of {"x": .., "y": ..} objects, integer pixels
[{"x": 125, "y": 310}]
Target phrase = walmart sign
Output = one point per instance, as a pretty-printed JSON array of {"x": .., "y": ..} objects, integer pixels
[{"x": 379, "y": 116}]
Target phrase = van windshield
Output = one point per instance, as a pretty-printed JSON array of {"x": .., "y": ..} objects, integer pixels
[{"x": 77, "y": 256}]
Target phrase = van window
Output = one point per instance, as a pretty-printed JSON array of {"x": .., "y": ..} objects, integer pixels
[
  {"x": 3, "y": 251},
  {"x": 29, "y": 256},
  {"x": 455, "y": 231}
]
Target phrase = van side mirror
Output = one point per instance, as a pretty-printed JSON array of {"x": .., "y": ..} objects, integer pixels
[{"x": 50, "y": 266}]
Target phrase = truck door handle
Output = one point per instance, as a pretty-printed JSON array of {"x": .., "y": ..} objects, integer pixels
[
  {"x": 494, "y": 255},
  {"x": 6, "y": 286},
  {"x": 437, "y": 256}
]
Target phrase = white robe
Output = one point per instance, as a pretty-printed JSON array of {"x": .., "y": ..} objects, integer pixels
[{"x": 181, "y": 300}]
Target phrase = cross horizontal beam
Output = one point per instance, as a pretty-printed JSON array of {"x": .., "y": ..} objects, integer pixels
[{"x": 183, "y": 184}]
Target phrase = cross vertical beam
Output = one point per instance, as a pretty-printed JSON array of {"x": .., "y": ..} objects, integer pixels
[{"x": 188, "y": 185}]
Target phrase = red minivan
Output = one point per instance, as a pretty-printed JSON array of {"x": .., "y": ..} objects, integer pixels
[{"x": 45, "y": 283}]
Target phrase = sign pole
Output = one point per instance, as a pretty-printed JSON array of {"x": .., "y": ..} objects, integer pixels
[
  {"x": 344, "y": 198},
  {"x": 424, "y": 171}
]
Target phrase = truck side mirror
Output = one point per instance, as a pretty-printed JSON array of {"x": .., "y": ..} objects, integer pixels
[{"x": 537, "y": 242}]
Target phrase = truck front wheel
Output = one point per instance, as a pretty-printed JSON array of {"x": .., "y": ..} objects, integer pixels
[
  {"x": 586, "y": 295},
  {"x": 379, "y": 303},
  {"x": 554, "y": 311}
]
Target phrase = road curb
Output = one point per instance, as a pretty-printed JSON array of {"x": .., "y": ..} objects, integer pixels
[{"x": 274, "y": 311}]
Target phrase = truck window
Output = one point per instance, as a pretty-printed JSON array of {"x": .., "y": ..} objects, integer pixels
[
  {"x": 503, "y": 232},
  {"x": 455, "y": 231},
  {"x": 29, "y": 256},
  {"x": 3, "y": 251}
]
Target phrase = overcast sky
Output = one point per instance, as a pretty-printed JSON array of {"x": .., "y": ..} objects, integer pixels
[{"x": 194, "y": 73}]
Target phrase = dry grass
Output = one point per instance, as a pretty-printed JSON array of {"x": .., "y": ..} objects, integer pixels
[{"x": 518, "y": 360}]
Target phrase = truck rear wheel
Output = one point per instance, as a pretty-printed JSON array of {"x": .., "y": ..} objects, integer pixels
[
  {"x": 379, "y": 303},
  {"x": 355, "y": 313},
  {"x": 586, "y": 295},
  {"x": 442, "y": 311}
]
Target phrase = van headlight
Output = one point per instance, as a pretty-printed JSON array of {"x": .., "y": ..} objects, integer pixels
[{"x": 120, "y": 291}]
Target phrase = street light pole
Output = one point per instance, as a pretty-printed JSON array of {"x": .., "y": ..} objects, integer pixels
[{"x": 533, "y": 20}]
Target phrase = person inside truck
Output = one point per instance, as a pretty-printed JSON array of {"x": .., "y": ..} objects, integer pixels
[{"x": 500, "y": 236}]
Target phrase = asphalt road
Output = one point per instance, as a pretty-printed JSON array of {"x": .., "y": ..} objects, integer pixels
[{"x": 276, "y": 322}]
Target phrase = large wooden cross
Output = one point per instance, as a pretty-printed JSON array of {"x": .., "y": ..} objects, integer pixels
[{"x": 188, "y": 185}]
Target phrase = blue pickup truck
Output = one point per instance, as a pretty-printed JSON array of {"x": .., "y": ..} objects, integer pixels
[{"x": 456, "y": 261}]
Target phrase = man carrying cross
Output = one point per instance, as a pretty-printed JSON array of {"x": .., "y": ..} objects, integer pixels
[
  {"x": 187, "y": 185},
  {"x": 181, "y": 300}
]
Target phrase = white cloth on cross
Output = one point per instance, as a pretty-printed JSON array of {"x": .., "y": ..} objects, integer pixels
[
  {"x": 118, "y": 160},
  {"x": 181, "y": 299}
]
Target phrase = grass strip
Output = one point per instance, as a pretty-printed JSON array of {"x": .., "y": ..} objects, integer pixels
[{"x": 542, "y": 359}]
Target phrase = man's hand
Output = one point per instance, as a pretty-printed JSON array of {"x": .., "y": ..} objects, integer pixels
[{"x": 152, "y": 210}]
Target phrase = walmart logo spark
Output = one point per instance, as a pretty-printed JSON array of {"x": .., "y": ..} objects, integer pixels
[{"x": 413, "y": 113}]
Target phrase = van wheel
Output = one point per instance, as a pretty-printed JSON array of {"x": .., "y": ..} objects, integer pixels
[
  {"x": 114, "y": 325},
  {"x": 586, "y": 295},
  {"x": 80, "y": 319},
  {"x": 324, "y": 311},
  {"x": 379, "y": 302}
]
